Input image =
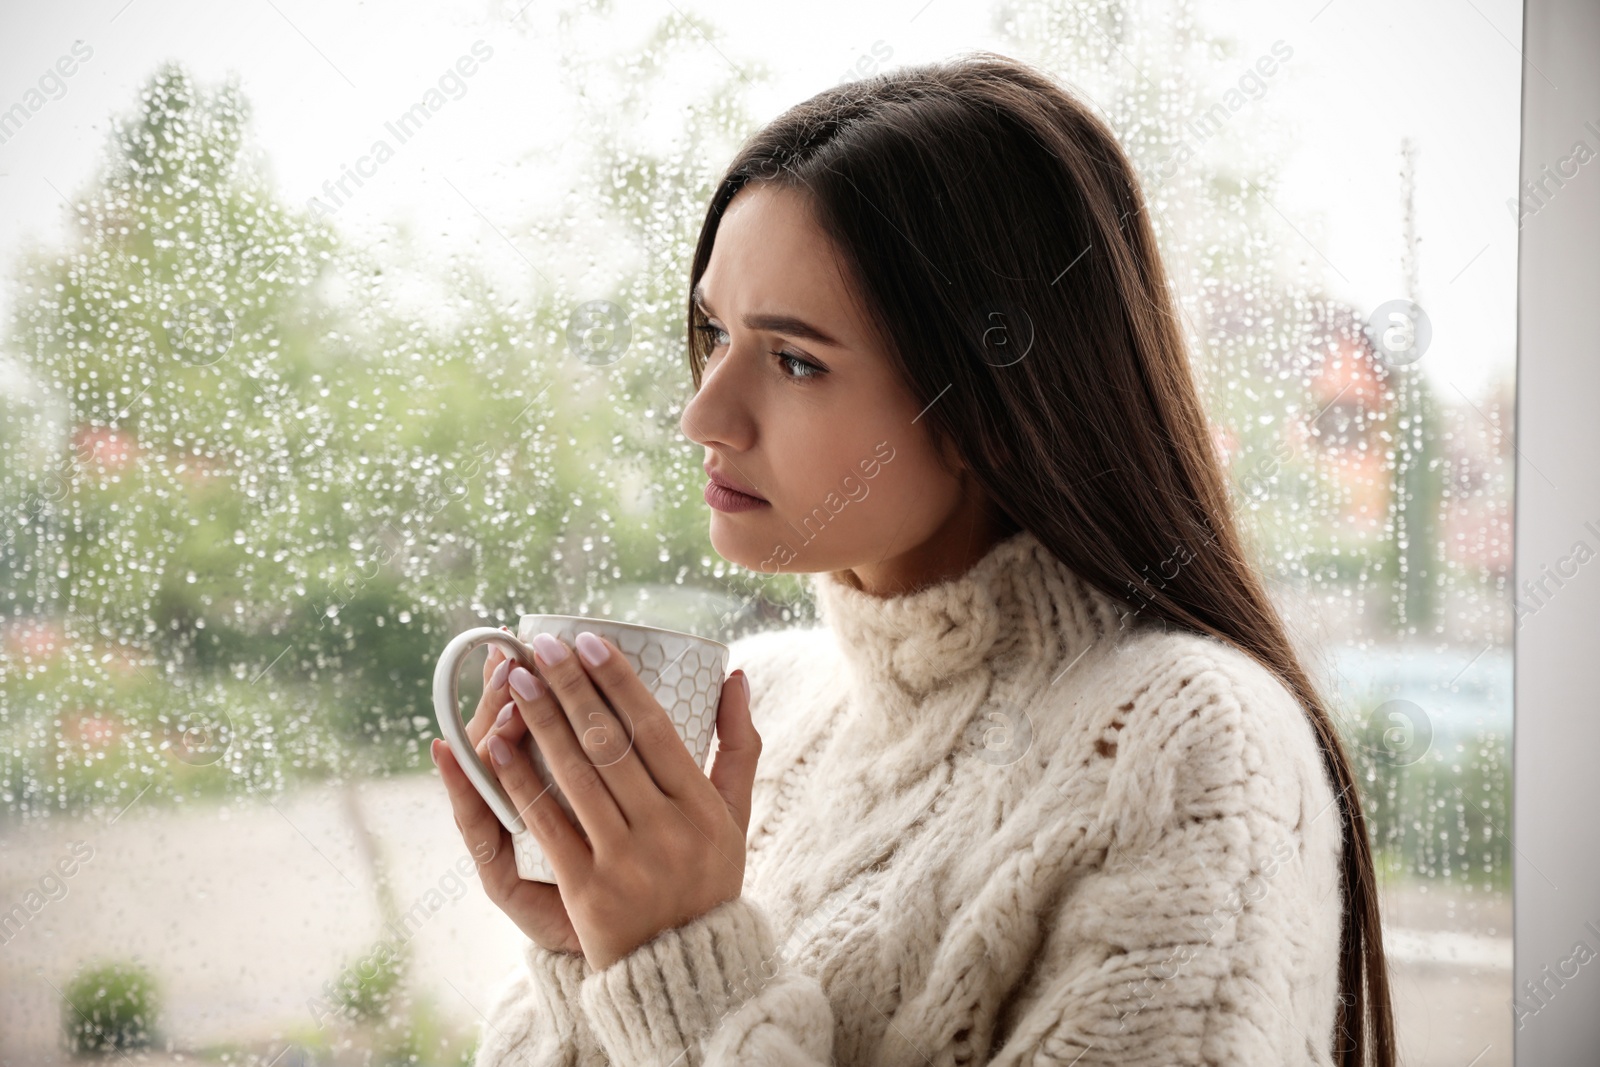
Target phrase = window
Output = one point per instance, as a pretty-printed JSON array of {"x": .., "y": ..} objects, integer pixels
[{"x": 331, "y": 334}]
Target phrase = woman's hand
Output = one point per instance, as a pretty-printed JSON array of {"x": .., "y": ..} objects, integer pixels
[
  {"x": 665, "y": 840},
  {"x": 535, "y": 907}
]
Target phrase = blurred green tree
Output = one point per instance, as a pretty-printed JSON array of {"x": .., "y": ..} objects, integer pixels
[{"x": 258, "y": 484}]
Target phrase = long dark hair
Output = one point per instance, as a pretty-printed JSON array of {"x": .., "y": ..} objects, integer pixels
[{"x": 999, "y": 238}]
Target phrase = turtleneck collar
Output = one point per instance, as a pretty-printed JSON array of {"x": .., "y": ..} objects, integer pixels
[{"x": 1018, "y": 609}]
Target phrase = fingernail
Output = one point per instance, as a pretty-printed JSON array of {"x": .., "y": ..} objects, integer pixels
[
  {"x": 498, "y": 678},
  {"x": 505, "y": 713},
  {"x": 550, "y": 649},
  {"x": 499, "y": 751},
  {"x": 433, "y": 751},
  {"x": 526, "y": 685},
  {"x": 592, "y": 649},
  {"x": 744, "y": 680}
]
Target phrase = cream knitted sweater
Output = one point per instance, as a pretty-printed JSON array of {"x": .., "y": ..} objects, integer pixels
[{"x": 999, "y": 820}]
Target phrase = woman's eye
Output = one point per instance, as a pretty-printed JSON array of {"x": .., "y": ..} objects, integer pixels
[
  {"x": 713, "y": 334},
  {"x": 798, "y": 368},
  {"x": 794, "y": 367}
]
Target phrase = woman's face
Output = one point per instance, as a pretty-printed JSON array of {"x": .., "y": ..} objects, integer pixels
[{"x": 825, "y": 433}]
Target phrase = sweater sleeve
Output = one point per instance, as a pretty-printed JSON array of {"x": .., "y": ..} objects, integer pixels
[
  {"x": 714, "y": 991},
  {"x": 536, "y": 1019},
  {"x": 1210, "y": 933}
]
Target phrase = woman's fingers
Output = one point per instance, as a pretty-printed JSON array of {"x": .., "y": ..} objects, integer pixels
[
  {"x": 495, "y": 667},
  {"x": 606, "y": 742},
  {"x": 571, "y": 767},
  {"x": 481, "y": 831},
  {"x": 560, "y": 841},
  {"x": 733, "y": 771},
  {"x": 479, "y": 826},
  {"x": 655, "y": 739},
  {"x": 535, "y": 907},
  {"x": 506, "y": 725}
]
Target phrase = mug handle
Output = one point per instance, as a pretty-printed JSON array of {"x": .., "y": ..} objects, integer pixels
[{"x": 446, "y": 707}]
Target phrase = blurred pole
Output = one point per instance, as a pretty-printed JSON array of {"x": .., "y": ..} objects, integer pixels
[{"x": 1418, "y": 485}]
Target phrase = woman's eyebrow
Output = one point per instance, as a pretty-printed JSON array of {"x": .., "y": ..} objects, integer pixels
[{"x": 788, "y": 324}]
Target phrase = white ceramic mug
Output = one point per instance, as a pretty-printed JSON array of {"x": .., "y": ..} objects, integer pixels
[{"x": 684, "y": 672}]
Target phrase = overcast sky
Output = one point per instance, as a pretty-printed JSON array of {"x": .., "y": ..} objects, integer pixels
[{"x": 324, "y": 77}]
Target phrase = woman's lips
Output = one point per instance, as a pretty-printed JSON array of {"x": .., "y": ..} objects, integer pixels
[
  {"x": 731, "y": 494},
  {"x": 722, "y": 498}
]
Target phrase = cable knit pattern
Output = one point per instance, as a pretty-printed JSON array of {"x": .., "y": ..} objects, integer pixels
[{"x": 998, "y": 820}]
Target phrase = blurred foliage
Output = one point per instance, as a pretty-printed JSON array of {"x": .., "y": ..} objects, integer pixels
[
  {"x": 367, "y": 988},
  {"x": 255, "y": 492},
  {"x": 259, "y": 476},
  {"x": 1442, "y": 813},
  {"x": 412, "y": 1032},
  {"x": 108, "y": 1007}
]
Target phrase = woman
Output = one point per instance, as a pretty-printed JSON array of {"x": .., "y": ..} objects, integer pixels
[{"x": 1048, "y": 785}]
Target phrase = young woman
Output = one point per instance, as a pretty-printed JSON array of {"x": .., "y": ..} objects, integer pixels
[{"x": 1048, "y": 785}]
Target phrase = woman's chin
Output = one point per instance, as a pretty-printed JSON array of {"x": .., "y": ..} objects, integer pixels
[{"x": 737, "y": 538}]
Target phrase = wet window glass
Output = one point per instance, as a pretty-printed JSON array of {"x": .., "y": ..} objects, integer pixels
[{"x": 332, "y": 331}]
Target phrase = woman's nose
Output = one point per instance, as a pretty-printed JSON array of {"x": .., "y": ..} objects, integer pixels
[{"x": 718, "y": 413}]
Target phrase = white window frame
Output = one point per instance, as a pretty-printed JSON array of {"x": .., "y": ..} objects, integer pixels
[{"x": 1556, "y": 726}]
